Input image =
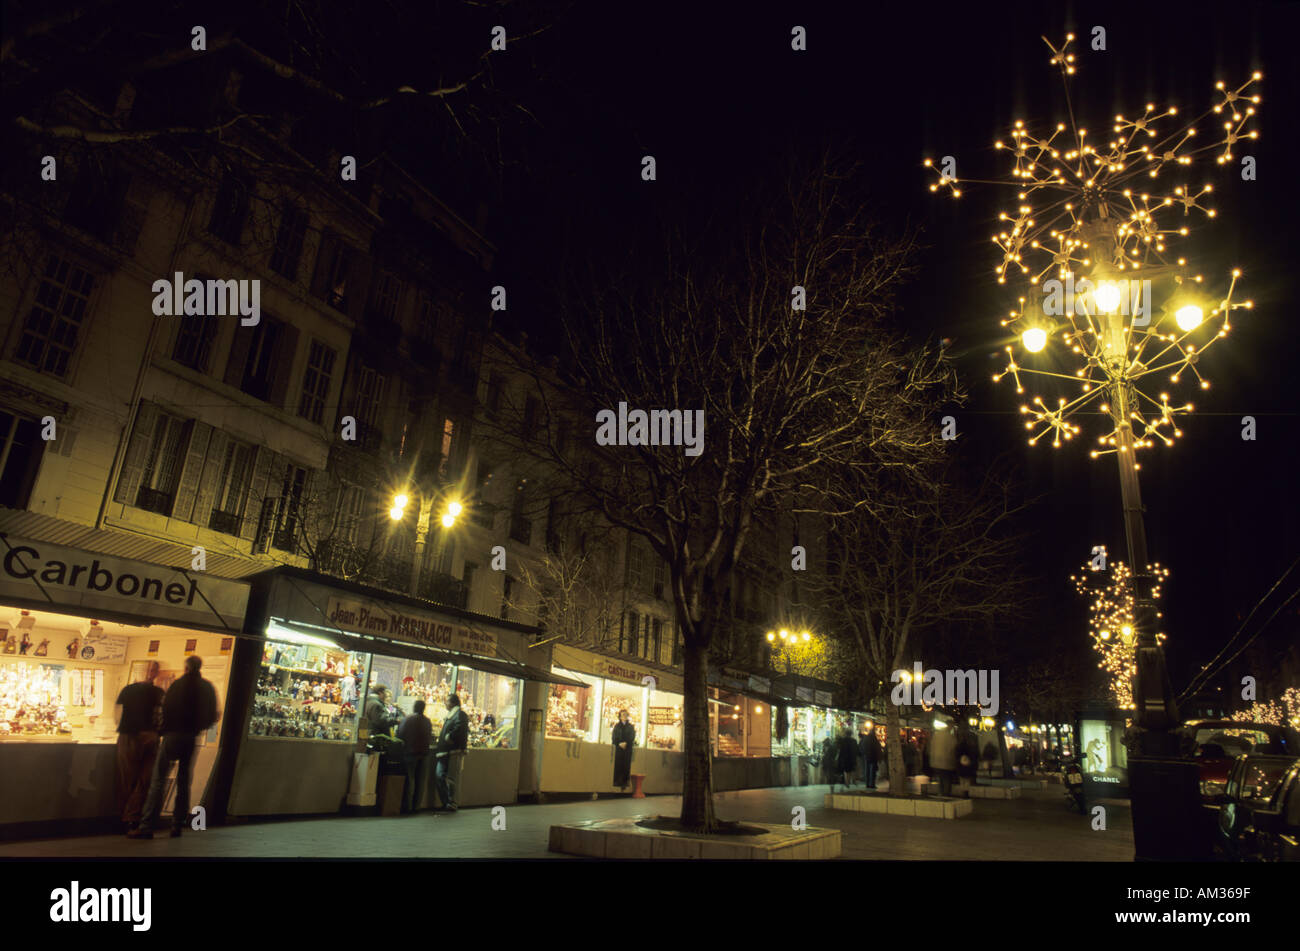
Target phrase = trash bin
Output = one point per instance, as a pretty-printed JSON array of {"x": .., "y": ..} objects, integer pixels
[{"x": 365, "y": 771}]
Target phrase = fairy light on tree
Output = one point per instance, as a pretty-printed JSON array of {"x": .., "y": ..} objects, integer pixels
[
  {"x": 1111, "y": 623},
  {"x": 1283, "y": 713},
  {"x": 1090, "y": 234}
]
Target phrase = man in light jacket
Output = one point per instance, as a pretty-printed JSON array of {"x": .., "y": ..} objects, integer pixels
[
  {"x": 451, "y": 742},
  {"x": 943, "y": 756}
]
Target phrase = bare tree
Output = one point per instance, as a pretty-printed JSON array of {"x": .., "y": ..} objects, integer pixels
[
  {"x": 925, "y": 554},
  {"x": 774, "y": 332}
]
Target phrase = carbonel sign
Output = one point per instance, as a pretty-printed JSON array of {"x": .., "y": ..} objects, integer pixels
[
  {"x": 66, "y": 578},
  {"x": 371, "y": 618}
]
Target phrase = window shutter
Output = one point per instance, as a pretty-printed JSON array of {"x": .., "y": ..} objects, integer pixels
[
  {"x": 199, "y": 434},
  {"x": 239, "y": 346},
  {"x": 324, "y": 261},
  {"x": 135, "y": 210},
  {"x": 265, "y": 525},
  {"x": 285, "y": 351},
  {"x": 209, "y": 477},
  {"x": 128, "y": 481},
  {"x": 261, "y": 486}
]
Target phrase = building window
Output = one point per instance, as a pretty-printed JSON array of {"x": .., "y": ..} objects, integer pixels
[
  {"x": 50, "y": 332},
  {"x": 444, "y": 450},
  {"x": 507, "y": 592},
  {"x": 427, "y": 328},
  {"x": 230, "y": 209},
  {"x": 388, "y": 292},
  {"x": 194, "y": 342},
  {"x": 657, "y": 586},
  {"x": 316, "y": 382},
  {"x": 635, "y": 569},
  {"x": 288, "y": 242},
  {"x": 521, "y": 528},
  {"x": 162, "y": 469},
  {"x": 467, "y": 581},
  {"x": 494, "y": 394},
  {"x": 482, "y": 512},
  {"x": 291, "y": 496},
  {"x": 232, "y": 489},
  {"x": 262, "y": 365},
  {"x": 677, "y": 645},
  {"x": 95, "y": 205},
  {"x": 20, "y": 457},
  {"x": 656, "y": 638},
  {"x": 334, "y": 271},
  {"x": 627, "y": 640},
  {"x": 351, "y": 511}
]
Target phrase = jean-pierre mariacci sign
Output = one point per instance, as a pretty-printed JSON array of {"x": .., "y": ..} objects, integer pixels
[
  {"x": 67, "y": 579},
  {"x": 370, "y": 618}
]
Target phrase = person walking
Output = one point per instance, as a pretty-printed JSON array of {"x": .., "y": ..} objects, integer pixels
[
  {"x": 943, "y": 757},
  {"x": 869, "y": 747},
  {"x": 451, "y": 742},
  {"x": 416, "y": 734},
  {"x": 138, "y": 712},
  {"x": 189, "y": 708},
  {"x": 624, "y": 739},
  {"x": 846, "y": 759}
]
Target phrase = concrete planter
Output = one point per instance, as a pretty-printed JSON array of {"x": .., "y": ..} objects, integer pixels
[
  {"x": 992, "y": 792},
  {"x": 926, "y": 807},
  {"x": 624, "y": 839}
]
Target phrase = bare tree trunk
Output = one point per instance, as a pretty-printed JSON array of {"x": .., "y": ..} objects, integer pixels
[
  {"x": 894, "y": 752},
  {"x": 697, "y": 785}
]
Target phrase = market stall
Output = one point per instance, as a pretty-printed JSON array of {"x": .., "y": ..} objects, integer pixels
[{"x": 75, "y": 628}]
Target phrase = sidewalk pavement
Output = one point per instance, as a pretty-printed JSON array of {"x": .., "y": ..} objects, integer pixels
[{"x": 1039, "y": 826}]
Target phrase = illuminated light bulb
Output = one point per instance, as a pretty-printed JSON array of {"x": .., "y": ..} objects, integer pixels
[
  {"x": 455, "y": 508},
  {"x": 448, "y": 520},
  {"x": 1034, "y": 339},
  {"x": 400, "y": 501},
  {"x": 395, "y": 514},
  {"x": 1107, "y": 297},
  {"x": 1189, "y": 317}
]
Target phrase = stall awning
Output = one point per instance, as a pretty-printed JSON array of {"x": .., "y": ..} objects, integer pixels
[{"x": 380, "y": 645}]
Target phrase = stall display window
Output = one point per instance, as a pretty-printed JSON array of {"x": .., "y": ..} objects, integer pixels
[
  {"x": 621, "y": 696},
  {"x": 571, "y": 711},
  {"x": 411, "y": 680},
  {"x": 308, "y": 691},
  {"x": 728, "y": 721},
  {"x": 759, "y": 718},
  {"x": 33, "y": 701},
  {"x": 782, "y": 747},
  {"x": 664, "y": 721},
  {"x": 491, "y": 701},
  {"x": 801, "y": 731}
]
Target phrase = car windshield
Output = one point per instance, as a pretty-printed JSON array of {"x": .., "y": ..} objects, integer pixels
[
  {"x": 1218, "y": 743},
  {"x": 1261, "y": 779}
]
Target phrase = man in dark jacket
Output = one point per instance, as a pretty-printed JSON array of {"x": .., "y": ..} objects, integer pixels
[
  {"x": 138, "y": 707},
  {"x": 869, "y": 748},
  {"x": 846, "y": 759},
  {"x": 447, "y": 754},
  {"x": 416, "y": 733},
  {"x": 189, "y": 708}
]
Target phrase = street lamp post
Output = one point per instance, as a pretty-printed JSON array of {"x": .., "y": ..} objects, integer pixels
[
  {"x": 423, "y": 518},
  {"x": 1090, "y": 206}
]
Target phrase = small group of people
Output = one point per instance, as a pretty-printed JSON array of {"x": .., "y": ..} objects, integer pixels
[
  {"x": 416, "y": 734},
  {"x": 155, "y": 729},
  {"x": 845, "y": 759}
]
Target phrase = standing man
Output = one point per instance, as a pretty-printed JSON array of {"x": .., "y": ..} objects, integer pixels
[
  {"x": 943, "y": 756},
  {"x": 869, "y": 747},
  {"x": 377, "y": 719},
  {"x": 189, "y": 708},
  {"x": 137, "y": 715},
  {"x": 451, "y": 741},
  {"x": 416, "y": 734}
]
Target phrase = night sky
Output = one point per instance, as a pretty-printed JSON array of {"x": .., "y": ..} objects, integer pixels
[{"x": 718, "y": 96}]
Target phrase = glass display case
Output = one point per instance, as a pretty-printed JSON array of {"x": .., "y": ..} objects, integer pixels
[
  {"x": 620, "y": 696},
  {"x": 571, "y": 711},
  {"x": 664, "y": 721},
  {"x": 491, "y": 701},
  {"x": 34, "y": 701},
  {"x": 308, "y": 692}
]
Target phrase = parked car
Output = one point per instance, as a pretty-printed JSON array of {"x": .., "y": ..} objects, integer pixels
[
  {"x": 1216, "y": 744},
  {"x": 1259, "y": 813}
]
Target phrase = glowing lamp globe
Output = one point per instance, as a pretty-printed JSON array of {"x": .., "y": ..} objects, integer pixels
[
  {"x": 1034, "y": 339},
  {"x": 1189, "y": 317},
  {"x": 1107, "y": 297}
]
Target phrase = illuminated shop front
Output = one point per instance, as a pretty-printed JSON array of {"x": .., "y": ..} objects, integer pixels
[
  {"x": 75, "y": 628},
  {"x": 579, "y": 721},
  {"x": 324, "y": 648}
]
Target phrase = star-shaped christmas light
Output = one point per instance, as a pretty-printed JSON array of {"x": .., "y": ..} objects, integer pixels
[{"x": 1089, "y": 233}]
